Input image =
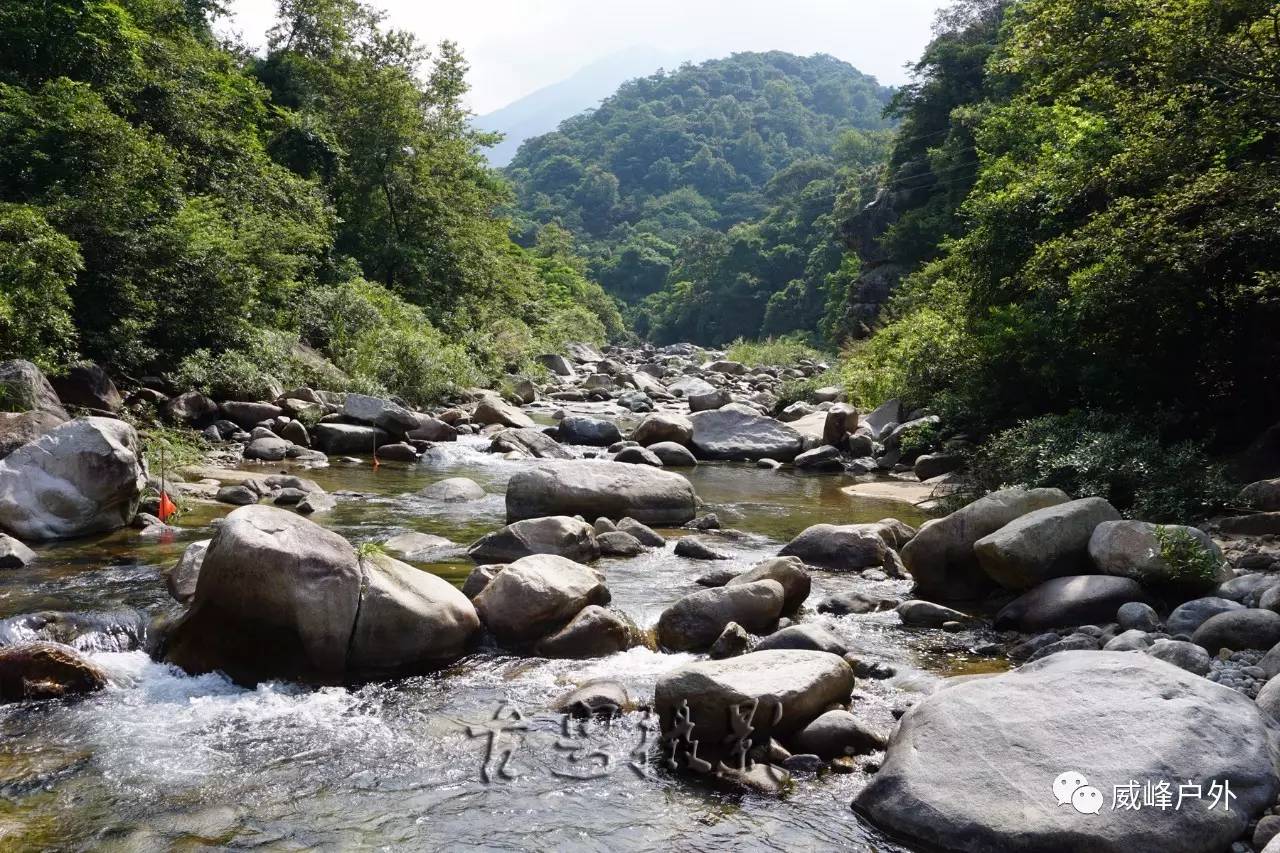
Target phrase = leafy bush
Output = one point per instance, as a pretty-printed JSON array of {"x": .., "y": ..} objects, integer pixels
[
  {"x": 174, "y": 447},
  {"x": 1187, "y": 558},
  {"x": 918, "y": 439},
  {"x": 910, "y": 359},
  {"x": 38, "y": 266},
  {"x": 270, "y": 363},
  {"x": 784, "y": 351},
  {"x": 1089, "y": 454},
  {"x": 797, "y": 390}
]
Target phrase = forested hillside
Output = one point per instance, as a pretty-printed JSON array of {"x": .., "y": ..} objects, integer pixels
[
  {"x": 169, "y": 204},
  {"x": 710, "y": 190}
]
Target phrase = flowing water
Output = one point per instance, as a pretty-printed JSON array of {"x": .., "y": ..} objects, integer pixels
[{"x": 161, "y": 760}]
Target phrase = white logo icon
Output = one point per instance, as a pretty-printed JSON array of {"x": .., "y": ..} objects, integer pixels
[{"x": 1072, "y": 788}]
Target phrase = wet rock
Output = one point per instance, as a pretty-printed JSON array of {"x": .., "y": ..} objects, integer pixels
[
  {"x": 595, "y": 632},
  {"x": 237, "y": 495},
  {"x": 593, "y": 488},
  {"x": 644, "y": 534},
  {"x": 317, "y": 502},
  {"x": 81, "y": 477},
  {"x": 1237, "y": 630},
  {"x": 733, "y": 641},
  {"x": 536, "y": 595},
  {"x": 454, "y": 490},
  {"x": 616, "y": 543},
  {"x": 926, "y": 614},
  {"x": 561, "y": 535},
  {"x": 432, "y": 429},
  {"x": 824, "y": 458},
  {"x": 601, "y": 696},
  {"x": 1043, "y": 544},
  {"x": 662, "y": 427},
  {"x": 842, "y": 548},
  {"x": 696, "y": 548},
  {"x": 941, "y": 556},
  {"x": 736, "y": 435},
  {"x": 398, "y": 452},
  {"x": 716, "y": 577},
  {"x": 696, "y": 620},
  {"x": 1125, "y": 716},
  {"x": 1190, "y": 615},
  {"x": 13, "y": 554},
  {"x": 838, "y": 733},
  {"x": 1069, "y": 601},
  {"x": 36, "y": 671},
  {"x": 528, "y": 442},
  {"x": 673, "y": 455},
  {"x": 846, "y": 603},
  {"x": 803, "y": 683},
  {"x": 595, "y": 432},
  {"x": 638, "y": 456},
  {"x": 1181, "y": 654},
  {"x": 281, "y": 597},
  {"x": 810, "y": 637},
  {"x": 759, "y": 778},
  {"x": 336, "y": 438},
  {"x": 492, "y": 410},
  {"x": 788, "y": 571},
  {"x": 420, "y": 547},
  {"x": 182, "y": 577}
]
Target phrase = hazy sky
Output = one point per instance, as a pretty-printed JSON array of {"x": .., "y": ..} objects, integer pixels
[{"x": 516, "y": 47}]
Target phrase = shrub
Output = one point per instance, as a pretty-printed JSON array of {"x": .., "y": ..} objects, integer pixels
[
  {"x": 912, "y": 358},
  {"x": 796, "y": 390},
  {"x": 785, "y": 351},
  {"x": 1187, "y": 558},
  {"x": 918, "y": 439},
  {"x": 38, "y": 266},
  {"x": 1090, "y": 454}
]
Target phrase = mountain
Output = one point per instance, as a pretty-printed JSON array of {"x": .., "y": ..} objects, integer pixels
[
  {"x": 539, "y": 112},
  {"x": 658, "y": 183}
]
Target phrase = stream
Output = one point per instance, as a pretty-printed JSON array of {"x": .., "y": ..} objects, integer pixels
[{"x": 162, "y": 760}]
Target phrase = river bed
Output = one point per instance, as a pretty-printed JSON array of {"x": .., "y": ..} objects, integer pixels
[{"x": 161, "y": 760}]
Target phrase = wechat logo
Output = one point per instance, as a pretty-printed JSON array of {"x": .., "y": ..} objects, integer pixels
[{"x": 1071, "y": 788}]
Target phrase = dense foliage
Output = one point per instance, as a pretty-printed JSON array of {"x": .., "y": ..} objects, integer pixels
[
  {"x": 710, "y": 190},
  {"x": 170, "y": 203},
  {"x": 1117, "y": 251}
]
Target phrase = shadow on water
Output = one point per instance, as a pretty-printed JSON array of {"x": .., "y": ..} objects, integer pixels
[{"x": 161, "y": 760}]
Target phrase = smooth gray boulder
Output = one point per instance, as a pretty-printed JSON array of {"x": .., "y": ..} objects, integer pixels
[
  {"x": 345, "y": 439},
  {"x": 926, "y": 614},
  {"x": 637, "y": 456},
  {"x": 595, "y": 632},
  {"x": 887, "y": 414},
  {"x": 972, "y": 766},
  {"x": 592, "y": 488},
  {"x": 788, "y": 571},
  {"x": 432, "y": 429},
  {"x": 662, "y": 427},
  {"x": 825, "y": 458},
  {"x": 1047, "y": 543},
  {"x": 581, "y": 429},
  {"x": 731, "y": 434},
  {"x": 808, "y": 636},
  {"x": 280, "y": 597},
  {"x": 616, "y": 543},
  {"x": 1263, "y": 495},
  {"x": 940, "y": 557},
  {"x": 375, "y": 411},
  {"x": 14, "y": 554},
  {"x": 1238, "y": 630},
  {"x": 530, "y": 442},
  {"x": 802, "y": 684},
  {"x": 733, "y": 641},
  {"x": 181, "y": 578},
  {"x": 454, "y": 490},
  {"x": 842, "y": 547},
  {"x": 562, "y": 535},
  {"x": 1068, "y": 602},
  {"x": 1181, "y": 654},
  {"x": 267, "y": 448},
  {"x": 695, "y": 621},
  {"x": 643, "y": 533},
  {"x": 81, "y": 477},
  {"x": 421, "y": 547},
  {"x": 1190, "y": 615},
  {"x": 837, "y": 733},
  {"x": 1269, "y": 699},
  {"x": 537, "y": 595},
  {"x": 247, "y": 415},
  {"x": 31, "y": 407},
  {"x": 1130, "y": 549},
  {"x": 673, "y": 455},
  {"x": 493, "y": 410},
  {"x": 87, "y": 385}
]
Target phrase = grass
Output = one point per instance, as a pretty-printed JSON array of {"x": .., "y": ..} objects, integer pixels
[{"x": 787, "y": 351}]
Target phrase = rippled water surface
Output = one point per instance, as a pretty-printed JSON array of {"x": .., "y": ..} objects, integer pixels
[{"x": 164, "y": 761}]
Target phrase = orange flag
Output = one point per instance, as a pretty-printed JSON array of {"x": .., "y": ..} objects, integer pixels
[{"x": 167, "y": 507}]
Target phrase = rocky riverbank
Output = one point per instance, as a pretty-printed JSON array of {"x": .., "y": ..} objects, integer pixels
[{"x": 1134, "y": 651}]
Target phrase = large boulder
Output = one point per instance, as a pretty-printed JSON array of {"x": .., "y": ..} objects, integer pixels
[
  {"x": 1190, "y": 615},
  {"x": 554, "y": 534},
  {"x": 192, "y": 409},
  {"x": 663, "y": 426},
  {"x": 1262, "y": 495},
  {"x": 788, "y": 571},
  {"x": 30, "y": 406},
  {"x": 696, "y": 620},
  {"x": 530, "y": 442},
  {"x": 454, "y": 490},
  {"x": 595, "y": 632},
  {"x": 973, "y": 766},
  {"x": 84, "y": 476},
  {"x": 841, "y": 547},
  {"x": 790, "y": 689},
  {"x": 33, "y": 671},
  {"x": 733, "y": 434},
  {"x": 248, "y": 415},
  {"x": 673, "y": 455},
  {"x": 941, "y": 557},
  {"x": 1052, "y": 542},
  {"x": 279, "y": 596},
  {"x": 492, "y": 410},
  {"x": 432, "y": 429},
  {"x": 537, "y": 595},
  {"x": 580, "y": 429},
  {"x": 182, "y": 577},
  {"x": 87, "y": 385},
  {"x": 375, "y": 411},
  {"x": 1238, "y": 630},
  {"x": 1070, "y": 601},
  {"x": 592, "y": 489},
  {"x": 1131, "y": 549},
  {"x": 338, "y": 439}
]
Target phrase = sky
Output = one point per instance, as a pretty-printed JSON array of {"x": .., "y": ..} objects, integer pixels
[{"x": 515, "y": 47}]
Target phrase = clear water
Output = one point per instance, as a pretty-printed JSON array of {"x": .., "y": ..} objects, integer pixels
[{"x": 164, "y": 761}]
